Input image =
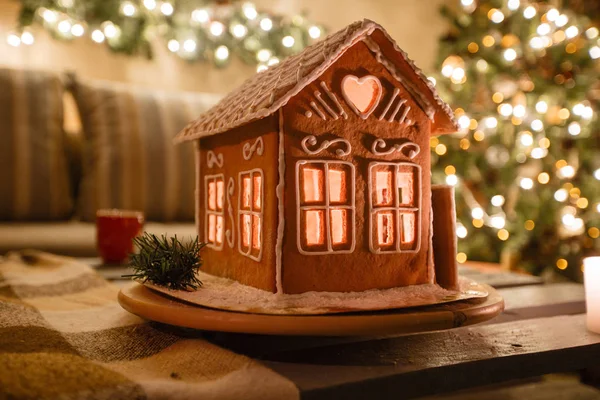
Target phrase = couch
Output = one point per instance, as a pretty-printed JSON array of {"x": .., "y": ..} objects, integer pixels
[{"x": 70, "y": 146}]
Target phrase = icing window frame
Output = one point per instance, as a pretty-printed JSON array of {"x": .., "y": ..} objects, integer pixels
[
  {"x": 318, "y": 206},
  {"x": 251, "y": 213},
  {"x": 399, "y": 207},
  {"x": 214, "y": 209}
]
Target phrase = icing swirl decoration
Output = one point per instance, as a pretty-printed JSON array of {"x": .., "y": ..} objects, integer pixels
[
  {"x": 311, "y": 140},
  {"x": 228, "y": 234},
  {"x": 213, "y": 159},
  {"x": 409, "y": 149},
  {"x": 248, "y": 149},
  {"x": 362, "y": 94}
]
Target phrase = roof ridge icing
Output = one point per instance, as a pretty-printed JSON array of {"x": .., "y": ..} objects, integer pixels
[{"x": 265, "y": 92}]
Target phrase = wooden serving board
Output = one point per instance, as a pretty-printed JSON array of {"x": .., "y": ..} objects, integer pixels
[{"x": 154, "y": 306}]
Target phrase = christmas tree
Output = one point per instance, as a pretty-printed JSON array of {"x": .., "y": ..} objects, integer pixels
[{"x": 523, "y": 80}]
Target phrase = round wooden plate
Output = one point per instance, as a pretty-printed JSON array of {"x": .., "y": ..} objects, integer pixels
[{"x": 154, "y": 306}]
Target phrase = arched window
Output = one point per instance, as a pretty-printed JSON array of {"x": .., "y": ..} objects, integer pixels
[{"x": 395, "y": 207}]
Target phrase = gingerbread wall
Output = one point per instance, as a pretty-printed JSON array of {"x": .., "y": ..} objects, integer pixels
[
  {"x": 229, "y": 148},
  {"x": 360, "y": 269}
]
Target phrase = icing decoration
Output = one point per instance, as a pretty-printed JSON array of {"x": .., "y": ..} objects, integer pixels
[
  {"x": 325, "y": 105},
  {"x": 323, "y": 201},
  {"x": 318, "y": 110},
  {"x": 334, "y": 98},
  {"x": 213, "y": 211},
  {"x": 213, "y": 159},
  {"x": 413, "y": 148},
  {"x": 400, "y": 104},
  {"x": 389, "y": 104},
  {"x": 362, "y": 94},
  {"x": 279, "y": 191},
  {"x": 198, "y": 182},
  {"x": 248, "y": 150},
  {"x": 408, "y": 84},
  {"x": 250, "y": 213},
  {"x": 394, "y": 208},
  {"x": 312, "y": 141},
  {"x": 228, "y": 233},
  {"x": 308, "y": 114}
]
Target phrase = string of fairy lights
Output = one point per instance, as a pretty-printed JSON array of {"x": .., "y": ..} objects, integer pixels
[
  {"x": 194, "y": 30},
  {"x": 537, "y": 120}
]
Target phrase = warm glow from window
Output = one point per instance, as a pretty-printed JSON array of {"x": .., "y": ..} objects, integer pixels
[
  {"x": 385, "y": 228},
  {"x": 212, "y": 196},
  {"x": 394, "y": 209},
  {"x": 339, "y": 227},
  {"x": 326, "y": 209},
  {"x": 215, "y": 198},
  {"x": 337, "y": 186},
  {"x": 250, "y": 213},
  {"x": 314, "y": 227},
  {"x": 313, "y": 185},
  {"x": 408, "y": 228},
  {"x": 383, "y": 187}
]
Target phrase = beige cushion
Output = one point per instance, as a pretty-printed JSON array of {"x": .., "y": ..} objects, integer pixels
[
  {"x": 130, "y": 161},
  {"x": 34, "y": 177},
  {"x": 77, "y": 239}
]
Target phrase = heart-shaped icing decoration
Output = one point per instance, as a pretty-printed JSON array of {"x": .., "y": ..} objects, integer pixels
[{"x": 362, "y": 94}]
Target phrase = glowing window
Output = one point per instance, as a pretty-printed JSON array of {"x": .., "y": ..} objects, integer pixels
[
  {"x": 325, "y": 195},
  {"x": 213, "y": 210},
  {"x": 395, "y": 207},
  {"x": 250, "y": 213}
]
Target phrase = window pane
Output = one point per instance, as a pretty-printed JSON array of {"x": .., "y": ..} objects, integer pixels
[
  {"x": 337, "y": 185},
  {"x": 212, "y": 195},
  {"x": 211, "y": 228},
  {"x": 383, "y": 188},
  {"x": 246, "y": 230},
  {"x": 256, "y": 242},
  {"x": 339, "y": 226},
  {"x": 219, "y": 229},
  {"x": 257, "y": 192},
  {"x": 220, "y": 194},
  {"x": 406, "y": 187},
  {"x": 313, "y": 185},
  {"x": 246, "y": 189},
  {"x": 314, "y": 227},
  {"x": 385, "y": 228},
  {"x": 408, "y": 227}
]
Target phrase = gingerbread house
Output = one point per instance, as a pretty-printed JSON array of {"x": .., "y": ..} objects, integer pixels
[{"x": 314, "y": 175}]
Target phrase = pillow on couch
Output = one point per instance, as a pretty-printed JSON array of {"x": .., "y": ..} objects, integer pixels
[
  {"x": 129, "y": 159},
  {"x": 34, "y": 176}
]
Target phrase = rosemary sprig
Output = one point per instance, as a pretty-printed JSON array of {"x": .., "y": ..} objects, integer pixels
[{"x": 167, "y": 261}]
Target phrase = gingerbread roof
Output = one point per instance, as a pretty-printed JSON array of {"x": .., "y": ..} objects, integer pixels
[{"x": 267, "y": 91}]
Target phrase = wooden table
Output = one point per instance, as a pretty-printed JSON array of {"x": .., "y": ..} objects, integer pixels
[{"x": 542, "y": 331}]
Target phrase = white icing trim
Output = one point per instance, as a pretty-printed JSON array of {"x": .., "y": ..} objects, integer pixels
[
  {"x": 389, "y": 104},
  {"x": 312, "y": 141},
  {"x": 208, "y": 212},
  {"x": 251, "y": 212},
  {"x": 213, "y": 159},
  {"x": 400, "y": 104},
  {"x": 363, "y": 115},
  {"x": 326, "y": 207},
  {"x": 334, "y": 98},
  {"x": 318, "y": 110},
  {"x": 325, "y": 105},
  {"x": 425, "y": 104},
  {"x": 280, "y": 192},
  {"x": 228, "y": 233},
  {"x": 308, "y": 114},
  {"x": 397, "y": 208},
  {"x": 399, "y": 147},
  {"x": 248, "y": 150}
]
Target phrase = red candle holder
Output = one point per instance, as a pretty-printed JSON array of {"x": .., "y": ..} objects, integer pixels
[{"x": 115, "y": 231}]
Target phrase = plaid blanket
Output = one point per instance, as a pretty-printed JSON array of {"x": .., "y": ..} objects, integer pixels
[{"x": 64, "y": 336}]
